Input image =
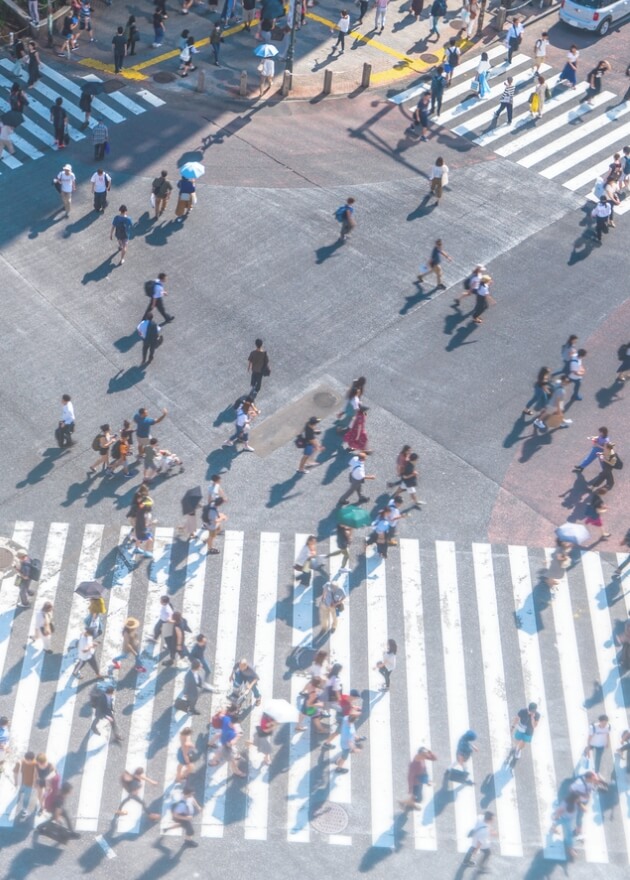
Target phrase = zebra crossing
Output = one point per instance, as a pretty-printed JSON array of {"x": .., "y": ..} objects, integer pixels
[
  {"x": 479, "y": 636},
  {"x": 572, "y": 144},
  {"x": 32, "y": 137}
]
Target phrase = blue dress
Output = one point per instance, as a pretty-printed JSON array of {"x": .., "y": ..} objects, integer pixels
[
  {"x": 484, "y": 88},
  {"x": 568, "y": 73}
]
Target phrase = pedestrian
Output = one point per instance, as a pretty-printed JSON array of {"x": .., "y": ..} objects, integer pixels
[
  {"x": 540, "y": 51},
  {"x": 101, "y": 185},
  {"x": 623, "y": 370},
  {"x": 198, "y": 652},
  {"x": 267, "y": 70},
  {"x": 119, "y": 46},
  {"x": 624, "y": 748},
  {"x": 611, "y": 188},
  {"x": 151, "y": 337},
  {"x": 387, "y": 665},
  {"x": 483, "y": 299},
  {"x": 44, "y": 627},
  {"x": 186, "y": 755},
  {"x": 121, "y": 449},
  {"x": 158, "y": 28},
  {"x": 357, "y": 477},
  {"x": 312, "y": 706},
  {"x": 121, "y": 227},
  {"x": 435, "y": 265},
  {"x": 438, "y": 11},
  {"x": 44, "y": 773},
  {"x": 421, "y": 116},
  {"x": 439, "y": 178},
  {"x": 130, "y": 34},
  {"x": 569, "y": 71},
  {"x": 130, "y": 645},
  {"x": 144, "y": 423},
  {"x": 568, "y": 352},
  {"x": 380, "y": 14},
  {"x": 85, "y": 19},
  {"x": 186, "y": 57},
  {"x": 24, "y": 772},
  {"x": 625, "y": 168},
  {"x": 104, "y": 711},
  {"x": 553, "y": 416},
  {"x": 101, "y": 444},
  {"x": 244, "y": 414},
  {"x": 598, "y": 741},
  {"x": 343, "y": 26},
  {"x": 193, "y": 686},
  {"x": 344, "y": 537},
  {"x": 212, "y": 519},
  {"x": 465, "y": 749},
  {"x": 216, "y": 39},
  {"x": 417, "y": 8},
  {"x": 471, "y": 285},
  {"x": 514, "y": 37},
  {"x": 566, "y": 815},
  {"x": 480, "y": 834},
  {"x": 356, "y": 438},
  {"x": 34, "y": 62},
  {"x": 307, "y": 560},
  {"x": 230, "y": 733},
  {"x": 409, "y": 479},
  {"x": 537, "y": 99},
  {"x": 187, "y": 198},
  {"x": 55, "y": 804},
  {"x": 249, "y": 13},
  {"x": 380, "y": 533},
  {"x": 311, "y": 445},
  {"x": 363, "y": 8},
  {"x": 143, "y": 536},
  {"x": 345, "y": 216},
  {"x": 183, "y": 812},
  {"x": 594, "y": 509},
  {"x": 560, "y": 561},
  {"x": 452, "y": 60},
  {"x": 59, "y": 119},
  {"x": 245, "y": 676},
  {"x": 438, "y": 84},
  {"x": 524, "y": 724},
  {"x": 68, "y": 28},
  {"x": 17, "y": 99},
  {"x": 577, "y": 372},
  {"x": 66, "y": 184},
  {"x": 164, "y": 617},
  {"x": 417, "y": 778},
  {"x": 6, "y": 132},
  {"x": 86, "y": 650},
  {"x": 85, "y": 104},
  {"x": 157, "y": 298},
  {"x": 594, "y": 80},
  {"x": 161, "y": 189},
  {"x": 330, "y": 606},
  {"x": 583, "y": 787},
  {"x": 507, "y": 101},
  {"x": 608, "y": 460},
  {"x": 353, "y": 401},
  {"x": 176, "y": 638},
  {"x": 100, "y": 140},
  {"x": 33, "y": 11},
  {"x": 23, "y": 580},
  {"x": 258, "y": 366},
  {"x": 347, "y": 741},
  {"x": 132, "y": 784},
  {"x": 66, "y": 426},
  {"x": 597, "y": 445},
  {"x": 543, "y": 389}
]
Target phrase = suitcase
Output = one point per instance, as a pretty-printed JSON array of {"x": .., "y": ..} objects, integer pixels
[{"x": 55, "y": 831}]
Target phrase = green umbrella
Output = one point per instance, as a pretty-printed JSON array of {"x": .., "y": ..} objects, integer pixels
[{"x": 353, "y": 516}]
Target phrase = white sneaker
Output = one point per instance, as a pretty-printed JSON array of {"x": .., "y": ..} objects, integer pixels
[
  {"x": 540, "y": 425},
  {"x": 248, "y": 448},
  {"x": 567, "y": 422}
]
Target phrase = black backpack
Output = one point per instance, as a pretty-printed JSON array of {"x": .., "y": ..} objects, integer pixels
[
  {"x": 622, "y": 351},
  {"x": 35, "y": 570},
  {"x": 453, "y": 56},
  {"x": 96, "y": 443},
  {"x": 467, "y": 282},
  {"x": 149, "y": 288}
]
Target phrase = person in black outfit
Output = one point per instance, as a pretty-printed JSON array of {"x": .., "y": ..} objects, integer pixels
[
  {"x": 151, "y": 340},
  {"x": 59, "y": 119},
  {"x": 104, "y": 709},
  {"x": 131, "y": 34},
  {"x": 120, "y": 49},
  {"x": 17, "y": 98},
  {"x": 608, "y": 461}
]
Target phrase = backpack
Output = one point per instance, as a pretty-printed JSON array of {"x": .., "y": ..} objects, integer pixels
[
  {"x": 35, "y": 570},
  {"x": 340, "y": 214},
  {"x": 149, "y": 288},
  {"x": 300, "y": 441},
  {"x": 95, "y": 696},
  {"x": 453, "y": 56},
  {"x": 205, "y": 514},
  {"x": 116, "y": 450},
  {"x": 467, "y": 282},
  {"x": 622, "y": 351},
  {"x": 96, "y": 443}
]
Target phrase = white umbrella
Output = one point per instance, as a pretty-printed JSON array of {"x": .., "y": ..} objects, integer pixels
[
  {"x": 573, "y": 532},
  {"x": 281, "y": 711},
  {"x": 192, "y": 170}
]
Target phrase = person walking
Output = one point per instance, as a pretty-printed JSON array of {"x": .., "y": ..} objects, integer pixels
[
  {"x": 121, "y": 227},
  {"x": 130, "y": 645},
  {"x": 593, "y": 511},
  {"x": 435, "y": 265},
  {"x": 187, "y": 198},
  {"x": 601, "y": 213},
  {"x": 68, "y": 29},
  {"x": 332, "y": 599},
  {"x": 380, "y": 15},
  {"x": 439, "y": 178},
  {"x": 438, "y": 84},
  {"x": 186, "y": 755},
  {"x": 608, "y": 460},
  {"x": 356, "y": 438},
  {"x": 438, "y": 11},
  {"x": 567, "y": 352},
  {"x": 452, "y": 59},
  {"x": 540, "y": 51},
  {"x": 17, "y": 99},
  {"x": 409, "y": 479},
  {"x": 212, "y": 519},
  {"x": 577, "y": 372},
  {"x": 244, "y": 414},
  {"x": 245, "y": 675},
  {"x": 481, "y": 836},
  {"x": 119, "y": 48},
  {"x": 44, "y": 627},
  {"x": 267, "y": 70},
  {"x": 348, "y": 741},
  {"x": 597, "y": 445},
  {"x": 130, "y": 34},
  {"x": 594, "y": 80},
  {"x": 553, "y": 415},
  {"x": 569, "y": 71},
  {"x": 158, "y": 28},
  {"x": 483, "y": 299},
  {"x": 312, "y": 446},
  {"x": 216, "y": 38},
  {"x": 101, "y": 185},
  {"x": 161, "y": 189},
  {"x": 183, "y": 812},
  {"x": 507, "y": 101},
  {"x": 193, "y": 686},
  {"x": 101, "y": 444},
  {"x": 524, "y": 724},
  {"x": 151, "y": 339},
  {"x": 132, "y": 783},
  {"x": 598, "y": 741},
  {"x": 198, "y": 652},
  {"x": 66, "y": 424},
  {"x": 514, "y": 38},
  {"x": 417, "y": 778},
  {"x": 157, "y": 298},
  {"x": 85, "y": 104},
  {"x": 543, "y": 390},
  {"x": 104, "y": 711},
  {"x": 24, "y": 773},
  {"x": 144, "y": 423},
  {"x": 34, "y": 62},
  {"x": 343, "y": 26},
  {"x": 357, "y": 477},
  {"x": 421, "y": 116},
  {"x": 345, "y": 215},
  {"x": 401, "y": 460},
  {"x": 258, "y": 366},
  {"x": 100, "y": 139},
  {"x": 22, "y": 566},
  {"x": 471, "y": 285},
  {"x": 6, "y": 142},
  {"x": 537, "y": 100},
  {"x": 86, "y": 650},
  {"x": 387, "y": 665},
  {"x": 465, "y": 749},
  {"x": 59, "y": 119},
  {"x": 67, "y": 184},
  {"x": 307, "y": 560}
]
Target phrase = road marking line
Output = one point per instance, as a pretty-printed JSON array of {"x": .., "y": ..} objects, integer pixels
[
  {"x": 464, "y": 68},
  {"x": 42, "y": 111},
  {"x": 72, "y": 87},
  {"x": 615, "y": 136},
  {"x": 150, "y": 98},
  {"x": 127, "y": 73}
]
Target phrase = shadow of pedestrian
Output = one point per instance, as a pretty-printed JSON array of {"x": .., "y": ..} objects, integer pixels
[
  {"x": 126, "y": 343},
  {"x": 219, "y": 461},
  {"x": 81, "y": 224},
  {"x": 227, "y": 415},
  {"x": 101, "y": 271},
  {"x": 515, "y": 433},
  {"x": 327, "y": 251},
  {"x": 461, "y": 335},
  {"x": 159, "y": 235},
  {"x": 374, "y": 855},
  {"x": 75, "y": 491},
  {"x": 143, "y": 224},
  {"x": 37, "y": 474},
  {"x": 596, "y": 697},
  {"x": 606, "y": 396},
  {"x": 45, "y": 224},
  {"x": 423, "y": 209},
  {"x": 280, "y": 492},
  {"x": 452, "y": 320},
  {"x": 533, "y": 444},
  {"x": 415, "y": 299},
  {"x": 528, "y": 617},
  {"x": 582, "y": 248},
  {"x": 125, "y": 379},
  {"x": 542, "y": 868},
  {"x": 574, "y": 494}
]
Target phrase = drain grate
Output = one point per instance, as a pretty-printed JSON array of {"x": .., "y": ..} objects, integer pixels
[
  {"x": 429, "y": 59},
  {"x": 324, "y": 399},
  {"x": 164, "y": 77},
  {"x": 330, "y": 819}
]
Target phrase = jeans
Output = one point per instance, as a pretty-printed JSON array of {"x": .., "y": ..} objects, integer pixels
[
  {"x": 24, "y": 797},
  {"x": 379, "y": 18},
  {"x": 507, "y": 106},
  {"x": 215, "y": 48},
  {"x": 436, "y": 102},
  {"x": 598, "y": 754},
  {"x": 590, "y": 457},
  {"x": 435, "y": 25},
  {"x": 33, "y": 10},
  {"x": 100, "y": 201},
  {"x": 119, "y": 58},
  {"x": 576, "y": 387}
]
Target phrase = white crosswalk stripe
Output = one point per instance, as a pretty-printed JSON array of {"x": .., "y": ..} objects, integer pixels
[
  {"x": 488, "y": 671},
  {"x": 29, "y": 137}
]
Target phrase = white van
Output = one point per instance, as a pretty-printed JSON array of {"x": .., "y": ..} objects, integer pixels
[{"x": 594, "y": 15}]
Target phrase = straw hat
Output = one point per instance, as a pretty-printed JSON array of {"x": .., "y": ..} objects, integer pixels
[{"x": 132, "y": 623}]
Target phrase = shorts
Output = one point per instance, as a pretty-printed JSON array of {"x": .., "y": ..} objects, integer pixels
[
  {"x": 145, "y": 536},
  {"x": 86, "y": 26},
  {"x": 345, "y": 754},
  {"x": 122, "y": 242},
  {"x": 523, "y": 737},
  {"x": 309, "y": 449}
]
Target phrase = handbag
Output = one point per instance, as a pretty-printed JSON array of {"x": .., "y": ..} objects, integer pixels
[
  {"x": 66, "y": 137},
  {"x": 107, "y": 148},
  {"x": 474, "y": 85},
  {"x": 57, "y": 185}
]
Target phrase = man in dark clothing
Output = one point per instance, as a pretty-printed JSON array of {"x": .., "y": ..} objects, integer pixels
[
  {"x": 119, "y": 43},
  {"x": 152, "y": 339},
  {"x": 258, "y": 365},
  {"x": 193, "y": 685},
  {"x": 438, "y": 83},
  {"x": 197, "y": 652},
  {"x": 104, "y": 709},
  {"x": 59, "y": 119}
]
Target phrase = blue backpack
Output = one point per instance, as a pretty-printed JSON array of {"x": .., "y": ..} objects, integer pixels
[{"x": 340, "y": 213}]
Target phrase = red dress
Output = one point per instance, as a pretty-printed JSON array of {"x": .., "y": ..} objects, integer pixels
[{"x": 356, "y": 437}]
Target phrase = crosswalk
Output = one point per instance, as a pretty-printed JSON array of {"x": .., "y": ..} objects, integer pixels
[
  {"x": 35, "y": 136},
  {"x": 572, "y": 144},
  {"x": 479, "y": 637}
]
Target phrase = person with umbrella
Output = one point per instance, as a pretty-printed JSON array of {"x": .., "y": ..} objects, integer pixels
[
  {"x": 267, "y": 67},
  {"x": 5, "y": 136},
  {"x": 187, "y": 194}
]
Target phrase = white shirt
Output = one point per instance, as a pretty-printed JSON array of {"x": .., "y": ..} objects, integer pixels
[
  {"x": 86, "y": 647},
  {"x": 165, "y": 612},
  {"x": 515, "y": 30},
  {"x": 215, "y": 491},
  {"x": 158, "y": 289},
  {"x": 601, "y": 210},
  {"x": 99, "y": 181},
  {"x": 481, "y": 834},
  {"x": 268, "y": 67},
  {"x": 357, "y": 468},
  {"x": 67, "y": 413},
  {"x": 540, "y": 48},
  {"x": 439, "y": 171},
  {"x": 389, "y": 661},
  {"x": 575, "y": 367},
  {"x": 599, "y": 736},
  {"x": 344, "y": 24},
  {"x": 67, "y": 181},
  {"x": 483, "y": 66}
]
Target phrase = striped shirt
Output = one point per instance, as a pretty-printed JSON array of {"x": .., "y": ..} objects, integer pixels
[{"x": 508, "y": 94}]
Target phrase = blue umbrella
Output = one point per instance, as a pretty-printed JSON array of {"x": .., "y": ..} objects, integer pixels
[
  {"x": 265, "y": 50},
  {"x": 192, "y": 170}
]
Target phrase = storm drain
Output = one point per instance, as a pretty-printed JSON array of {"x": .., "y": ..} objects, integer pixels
[
  {"x": 330, "y": 819},
  {"x": 164, "y": 77}
]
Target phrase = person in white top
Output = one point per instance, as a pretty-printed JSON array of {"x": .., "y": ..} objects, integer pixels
[
  {"x": 387, "y": 665},
  {"x": 598, "y": 740},
  {"x": 101, "y": 184},
  {"x": 66, "y": 425},
  {"x": 514, "y": 37},
  {"x": 540, "y": 50},
  {"x": 44, "y": 626},
  {"x": 5, "y": 138},
  {"x": 357, "y": 477},
  {"x": 86, "y": 649},
  {"x": 439, "y": 177},
  {"x": 480, "y": 834},
  {"x": 343, "y": 26},
  {"x": 267, "y": 73},
  {"x": 67, "y": 185},
  {"x": 483, "y": 89}
]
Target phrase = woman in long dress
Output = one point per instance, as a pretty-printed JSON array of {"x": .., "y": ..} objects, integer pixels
[
  {"x": 356, "y": 438},
  {"x": 482, "y": 75},
  {"x": 33, "y": 64},
  {"x": 569, "y": 71}
]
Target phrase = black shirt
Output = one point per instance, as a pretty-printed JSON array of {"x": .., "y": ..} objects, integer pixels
[
  {"x": 119, "y": 43},
  {"x": 525, "y": 719}
]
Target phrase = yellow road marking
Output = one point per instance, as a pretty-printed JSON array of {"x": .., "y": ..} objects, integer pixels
[{"x": 128, "y": 73}]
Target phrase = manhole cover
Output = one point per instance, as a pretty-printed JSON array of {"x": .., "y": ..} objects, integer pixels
[
  {"x": 324, "y": 399},
  {"x": 6, "y": 559},
  {"x": 429, "y": 59},
  {"x": 164, "y": 77},
  {"x": 457, "y": 24},
  {"x": 330, "y": 819}
]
